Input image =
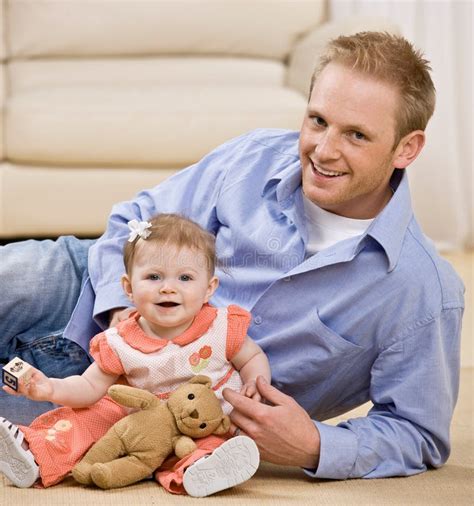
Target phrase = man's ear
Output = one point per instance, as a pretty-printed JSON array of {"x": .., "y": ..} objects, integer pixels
[
  {"x": 127, "y": 286},
  {"x": 408, "y": 149},
  {"x": 211, "y": 288}
]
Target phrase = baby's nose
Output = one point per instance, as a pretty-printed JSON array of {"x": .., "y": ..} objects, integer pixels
[{"x": 167, "y": 287}]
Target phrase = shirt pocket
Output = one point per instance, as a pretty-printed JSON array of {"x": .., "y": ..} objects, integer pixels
[
  {"x": 319, "y": 356},
  {"x": 328, "y": 341}
]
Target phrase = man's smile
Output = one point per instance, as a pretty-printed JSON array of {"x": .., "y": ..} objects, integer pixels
[{"x": 325, "y": 172}]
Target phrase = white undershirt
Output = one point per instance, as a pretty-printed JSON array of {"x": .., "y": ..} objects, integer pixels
[{"x": 326, "y": 229}]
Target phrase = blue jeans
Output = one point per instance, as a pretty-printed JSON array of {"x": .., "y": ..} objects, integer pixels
[{"x": 40, "y": 282}]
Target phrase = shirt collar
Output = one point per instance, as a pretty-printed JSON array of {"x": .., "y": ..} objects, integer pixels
[
  {"x": 286, "y": 181},
  {"x": 135, "y": 337},
  {"x": 389, "y": 227}
]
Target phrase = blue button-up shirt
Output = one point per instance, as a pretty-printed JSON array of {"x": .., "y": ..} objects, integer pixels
[{"x": 376, "y": 317}]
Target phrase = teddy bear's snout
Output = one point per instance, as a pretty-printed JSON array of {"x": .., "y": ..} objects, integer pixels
[{"x": 191, "y": 414}]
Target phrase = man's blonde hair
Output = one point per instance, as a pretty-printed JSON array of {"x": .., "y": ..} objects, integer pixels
[
  {"x": 174, "y": 230},
  {"x": 391, "y": 59}
]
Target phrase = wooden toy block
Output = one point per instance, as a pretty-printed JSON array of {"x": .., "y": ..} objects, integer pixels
[{"x": 16, "y": 370}]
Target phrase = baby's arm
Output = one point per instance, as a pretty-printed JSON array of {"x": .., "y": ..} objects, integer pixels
[
  {"x": 73, "y": 391},
  {"x": 251, "y": 362}
]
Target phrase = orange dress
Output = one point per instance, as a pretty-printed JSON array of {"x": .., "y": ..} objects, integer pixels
[{"x": 60, "y": 438}]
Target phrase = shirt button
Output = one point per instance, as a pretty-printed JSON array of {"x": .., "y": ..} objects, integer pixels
[
  {"x": 288, "y": 278},
  {"x": 258, "y": 320}
]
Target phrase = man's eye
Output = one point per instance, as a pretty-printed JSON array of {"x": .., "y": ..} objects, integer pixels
[
  {"x": 185, "y": 277},
  {"x": 317, "y": 120},
  {"x": 359, "y": 136}
]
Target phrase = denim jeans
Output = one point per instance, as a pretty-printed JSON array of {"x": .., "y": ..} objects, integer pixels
[{"x": 40, "y": 282}]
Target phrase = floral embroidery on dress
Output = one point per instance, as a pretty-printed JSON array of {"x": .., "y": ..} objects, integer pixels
[
  {"x": 60, "y": 426},
  {"x": 199, "y": 361}
]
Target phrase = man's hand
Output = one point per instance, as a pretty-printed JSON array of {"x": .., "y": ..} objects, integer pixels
[
  {"x": 283, "y": 431},
  {"x": 119, "y": 314}
]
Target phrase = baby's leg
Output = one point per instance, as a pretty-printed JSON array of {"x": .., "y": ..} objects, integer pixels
[{"x": 16, "y": 461}]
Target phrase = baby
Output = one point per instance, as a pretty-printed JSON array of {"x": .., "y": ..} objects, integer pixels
[{"x": 173, "y": 335}]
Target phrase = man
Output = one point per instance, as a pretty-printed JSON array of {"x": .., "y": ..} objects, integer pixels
[{"x": 316, "y": 232}]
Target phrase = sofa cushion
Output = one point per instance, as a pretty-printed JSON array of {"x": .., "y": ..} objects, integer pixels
[
  {"x": 127, "y": 124},
  {"x": 53, "y": 201},
  {"x": 2, "y": 106},
  {"x": 2, "y": 30},
  {"x": 2, "y": 73},
  {"x": 52, "y": 73},
  {"x": 259, "y": 28}
]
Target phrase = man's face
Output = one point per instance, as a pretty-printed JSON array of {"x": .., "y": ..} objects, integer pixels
[{"x": 346, "y": 142}]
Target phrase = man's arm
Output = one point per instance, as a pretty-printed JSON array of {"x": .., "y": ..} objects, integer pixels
[
  {"x": 414, "y": 389},
  {"x": 193, "y": 192}
]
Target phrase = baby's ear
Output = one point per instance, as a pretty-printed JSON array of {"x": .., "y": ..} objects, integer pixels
[
  {"x": 127, "y": 286},
  {"x": 211, "y": 288},
  {"x": 224, "y": 426}
]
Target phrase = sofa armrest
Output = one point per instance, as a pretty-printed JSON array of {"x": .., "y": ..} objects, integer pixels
[{"x": 306, "y": 51}]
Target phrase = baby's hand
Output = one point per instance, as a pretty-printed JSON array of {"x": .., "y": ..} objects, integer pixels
[
  {"x": 249, "y": 389},
  {"x": 38, "y": 388}
]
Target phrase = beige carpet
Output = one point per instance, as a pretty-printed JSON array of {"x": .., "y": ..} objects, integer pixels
[{"x": 451, "y": 485}]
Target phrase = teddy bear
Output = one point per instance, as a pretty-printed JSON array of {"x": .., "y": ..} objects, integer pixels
[{"x": 135, "y": 446}]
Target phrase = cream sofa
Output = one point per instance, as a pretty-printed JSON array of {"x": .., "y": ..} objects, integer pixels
[{"x": 101, "y": 98}]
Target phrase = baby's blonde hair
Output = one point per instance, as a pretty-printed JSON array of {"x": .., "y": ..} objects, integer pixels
[
  {"x": 175, "y": 230},
  {"x": 391, "y": 59}
]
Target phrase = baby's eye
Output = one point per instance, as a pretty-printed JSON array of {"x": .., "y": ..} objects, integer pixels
[
  {"x": 154, "y": 277},
  {"x": 185, "y": 277}
]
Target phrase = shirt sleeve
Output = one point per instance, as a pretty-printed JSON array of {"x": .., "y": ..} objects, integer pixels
[
  {"x": 414, "y": 387},
  {"x": 104, "y": 355},
  {"x": 192, "y": 192},
  {"x": 238, "y": 321}
]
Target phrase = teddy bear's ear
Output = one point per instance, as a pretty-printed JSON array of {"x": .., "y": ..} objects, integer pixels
[
  {"x": 224, "y": 426},
  {"x": 201, "y": 380}
]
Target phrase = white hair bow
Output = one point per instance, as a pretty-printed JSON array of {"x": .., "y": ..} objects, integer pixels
[{"x": 138, "y": 229}]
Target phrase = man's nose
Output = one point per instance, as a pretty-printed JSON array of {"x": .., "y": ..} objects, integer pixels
[{"x": 328, "y": 146}]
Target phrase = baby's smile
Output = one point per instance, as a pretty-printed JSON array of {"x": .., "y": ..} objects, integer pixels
[{"x": 168, "y": 304}]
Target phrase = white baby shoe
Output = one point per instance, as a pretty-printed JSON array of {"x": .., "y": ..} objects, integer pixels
[
  {"x": 234, "y": 462},
  {"x": 16, "y": 463}
]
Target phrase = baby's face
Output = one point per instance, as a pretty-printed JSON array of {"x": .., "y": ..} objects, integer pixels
[{"x": 168, "y": 286}]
